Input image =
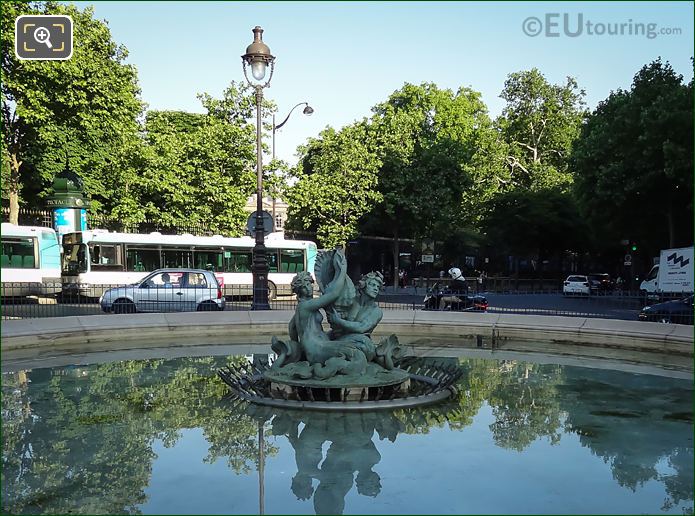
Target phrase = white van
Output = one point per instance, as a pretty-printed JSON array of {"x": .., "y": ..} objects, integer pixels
[{"x": 672, "y": 275}]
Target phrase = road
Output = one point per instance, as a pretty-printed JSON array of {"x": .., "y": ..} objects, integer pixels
[{"x": 617, "y": 307}]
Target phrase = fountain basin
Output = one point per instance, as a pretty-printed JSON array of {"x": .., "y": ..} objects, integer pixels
[{"x": 642, "y": 342}]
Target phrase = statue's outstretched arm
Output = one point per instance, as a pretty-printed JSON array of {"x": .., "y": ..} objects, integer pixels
[{"x": 335, "y": 287}]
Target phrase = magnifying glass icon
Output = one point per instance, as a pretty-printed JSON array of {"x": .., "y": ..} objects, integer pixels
[{"x": 42, "y": 35}]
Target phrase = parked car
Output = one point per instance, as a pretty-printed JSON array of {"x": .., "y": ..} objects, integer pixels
[
  {"x": 679, "y": 311},
  {"x": 166, "y": 290},
  {"x": 600, "y": 283},
  {"x": 576, "y": 284}
]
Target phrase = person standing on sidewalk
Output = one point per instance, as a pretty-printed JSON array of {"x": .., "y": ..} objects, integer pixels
[
  {"x": 481, "y": 282},
  {"x": 402, "y": 278}
]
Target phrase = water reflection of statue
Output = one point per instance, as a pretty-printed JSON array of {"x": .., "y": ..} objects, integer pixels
[
  {"x": 351, "y": 451},
  {"x": 347, "y": 349}
]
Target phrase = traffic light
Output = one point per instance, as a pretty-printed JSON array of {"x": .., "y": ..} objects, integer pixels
[{"x": 634, "y": 247}]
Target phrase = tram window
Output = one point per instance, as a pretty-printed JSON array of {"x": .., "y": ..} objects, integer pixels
[
  {"x": 104, "y": 255},
  {"x": 237, "y": 260},
  {"x": 208, "y": 259},
  {"x": 140, "y": 259},
  {"x": 18, "y": 253},
  {"x": 272, "y": 260},
  {"x": 177, "y": 257},
  {"x": 74, "y": 258},
  {"x": 291, "y": 260},
  {"x": 49, "y": 237}
]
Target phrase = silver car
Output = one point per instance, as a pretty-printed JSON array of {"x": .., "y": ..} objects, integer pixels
[{"x": 166, "y": 290}]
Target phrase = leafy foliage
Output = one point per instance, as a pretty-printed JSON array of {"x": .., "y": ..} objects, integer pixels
[
  {"x": 428, "y": 164},
  {"x": 80, "y": 109},
  {"x": 439, "y": 153},
  {"x": 538, "y": 223},
  {"x": 336, "y": 184},
  {"x": 539, "y": 124},
  {"x": 176, "y": 168},
  {"x": 633, "y": 163},
  {"x": 198, "y": 167}
]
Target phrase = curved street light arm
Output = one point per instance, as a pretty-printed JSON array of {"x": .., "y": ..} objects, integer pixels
[{"x": 276, "y": 127}]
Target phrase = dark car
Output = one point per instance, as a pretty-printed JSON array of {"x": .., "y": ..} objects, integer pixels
[
  {"x": 600, "y": 283},
  {"x": 679, "y": 311}
]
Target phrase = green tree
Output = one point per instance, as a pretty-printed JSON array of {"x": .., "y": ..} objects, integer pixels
[
  {"x": 190, "y": 167},
  {"x": 541, "y": 223},
  {"x": 83, "y": 108},
  {"x": 539, "y": 125},
  {"x": 633, "y": 163},
  {"x": 336, "y": 184},
  {"x": 439, "y": 153}
]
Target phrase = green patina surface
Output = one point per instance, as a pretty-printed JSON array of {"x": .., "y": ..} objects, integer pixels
[
  {"x": 375, "y": 376},
  {"x": 345, "y": 356}
]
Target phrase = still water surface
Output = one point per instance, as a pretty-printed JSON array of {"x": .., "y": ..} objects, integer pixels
[{"x": 161, "y": 436}]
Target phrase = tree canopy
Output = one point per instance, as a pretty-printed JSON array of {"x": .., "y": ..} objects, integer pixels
[
  {"x": 633, "y": 163},
  {"x": 198, "y": 166},
  {"x": 80, "y": 110},
  {"x": 429, "y": 163},
  {"x": 540, "y": 123},
  {"x": 438, "y": 152},
  {"x": 336, "y": 184}
]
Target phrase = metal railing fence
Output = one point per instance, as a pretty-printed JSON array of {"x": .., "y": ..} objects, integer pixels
[{"x": 35, "y": 300}]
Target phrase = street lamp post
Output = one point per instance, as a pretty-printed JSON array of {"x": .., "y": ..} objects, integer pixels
[
  {"x": 308, "y": 110},
  {"x": 258, "y": 57}
]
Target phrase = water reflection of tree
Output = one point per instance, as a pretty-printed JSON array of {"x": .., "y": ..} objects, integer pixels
[
  {"x": 69, "y": 448},
  {"x": 81, "y": 440},
  {"x": 521, "y": 395},
  {"x": 474, "y": 388},
  {"x": 634, "y": 422},
  {"x": 524, "y": 404}
]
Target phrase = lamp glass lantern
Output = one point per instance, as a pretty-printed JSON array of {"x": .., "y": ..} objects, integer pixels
[{"x": 258, "y": 58}]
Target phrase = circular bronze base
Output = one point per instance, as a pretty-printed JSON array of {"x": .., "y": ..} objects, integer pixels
[
  {"x": 372, "y": 385},
  {"x": 410, "y": 385},
  {"x": 375, "y": 376}
]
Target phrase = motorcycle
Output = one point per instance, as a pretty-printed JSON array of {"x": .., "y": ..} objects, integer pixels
[{"x": 467, "y": 303}]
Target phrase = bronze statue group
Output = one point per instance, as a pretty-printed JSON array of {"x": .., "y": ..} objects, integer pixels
[{"x": 346, "y": 351}]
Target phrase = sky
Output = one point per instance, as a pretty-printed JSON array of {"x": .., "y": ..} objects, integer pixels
[{"x": 345, "y": 57}]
